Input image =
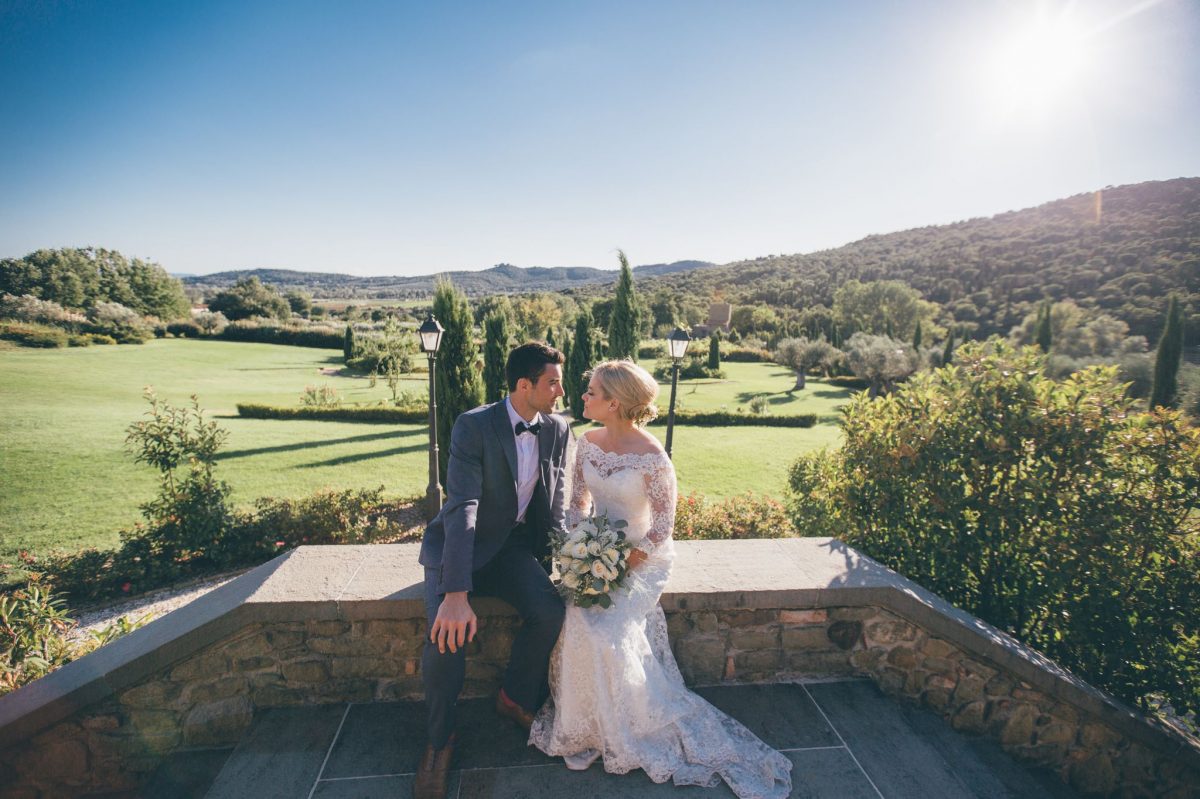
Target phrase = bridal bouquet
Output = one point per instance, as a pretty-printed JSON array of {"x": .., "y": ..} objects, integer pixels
[{"x": 592, "y": 561}]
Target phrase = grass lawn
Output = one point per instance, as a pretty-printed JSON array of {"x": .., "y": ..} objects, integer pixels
[
  {"x": 744, "y": 381},
  {"x": 66, "y": 481}
]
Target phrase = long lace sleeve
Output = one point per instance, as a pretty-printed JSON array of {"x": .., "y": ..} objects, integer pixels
[
  {"x": 660, "y": 489},
  {"x": 581, "y": 499}
]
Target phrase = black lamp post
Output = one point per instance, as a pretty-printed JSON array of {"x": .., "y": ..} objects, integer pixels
[
  {"x": 677, "y": 344},
  {"x": 430, "y": 333}
]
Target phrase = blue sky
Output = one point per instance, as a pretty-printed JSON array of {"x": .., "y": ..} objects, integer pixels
[{"x": 412, "y": 138}]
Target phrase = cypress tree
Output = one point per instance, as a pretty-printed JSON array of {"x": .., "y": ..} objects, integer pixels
[
  {"x": 623, "y": 326},
  {"x": 458, "y": 385},
  {"x": 550, "y": 338},
  {"x": 579, "y": 362},
  {"x": 948, "y": 353},
  {"x": 348, "y": 343},
  {"x": 714, "y": 350},
  {"x": 1043, "y": 334},
  {"x": 917, "y": 337},
  {"x": 495, "y": 355},
  {"x": 1167, "y": 359}
]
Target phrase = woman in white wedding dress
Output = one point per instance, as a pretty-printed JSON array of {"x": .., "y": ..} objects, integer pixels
[{"x": 616, "y": 692}]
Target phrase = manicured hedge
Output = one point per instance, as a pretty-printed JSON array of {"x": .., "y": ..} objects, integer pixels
[
  {"x": 328, "y": 339},
  {"x": 849, "y": 381},
  {"x": 726, "y": 419},
  {"x": 377, "y": 415},
  {"x": 745, "y": 355}
]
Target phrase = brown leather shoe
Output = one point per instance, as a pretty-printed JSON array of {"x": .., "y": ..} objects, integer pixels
[
  {"x": 433, "y": 772},
  {"x": 511, "y": 710}
]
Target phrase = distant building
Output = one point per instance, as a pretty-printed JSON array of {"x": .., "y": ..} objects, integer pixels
[{"x": 719, "y": 316}]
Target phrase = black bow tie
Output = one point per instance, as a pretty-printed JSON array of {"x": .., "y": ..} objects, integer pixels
[{"x": 534, "y": 428}]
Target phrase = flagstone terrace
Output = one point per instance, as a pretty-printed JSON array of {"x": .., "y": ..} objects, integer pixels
[{"x": 307, "y": 669}]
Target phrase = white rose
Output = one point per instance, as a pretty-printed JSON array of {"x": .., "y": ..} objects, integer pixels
[
  {"x": 579, "y": 550},
  {"x": 612, "y": 555},
  {"x": 594, "y": 548},
  {"x": 565, "y": 562},
  {"x": 599, "y": 569},
  {"x": 580, "y": 567},
  {"x": 571, "y": 580}
]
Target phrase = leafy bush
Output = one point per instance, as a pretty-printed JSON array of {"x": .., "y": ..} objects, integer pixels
[
  {"x": 184, "y": 330},
  {"x": 252, "y": 536},
  {"x": 28, "y": 308},
  {"x": 745, "y": 516},
  {"x": 100, "y": 338},
  {"x": 326, "y": 517},
  {"x": 324, "y": 396},
  {"x": 124, "y": 324},
  {"x": 694, "y": 367},
  {"x": 1052, "y": 510},
  {"x": 760, "y": 405},
  {"x": 373, "y": 415},
  {"x": 653, "y": 349},
  {"x": 35, "y": 634},
  {"x": 33, "y": 335}
]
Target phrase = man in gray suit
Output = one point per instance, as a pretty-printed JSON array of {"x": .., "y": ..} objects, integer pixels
[{"x": 504, "y": 495}]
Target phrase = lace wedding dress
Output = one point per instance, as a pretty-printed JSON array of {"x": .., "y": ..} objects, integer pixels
[{"x": 616, "y": 692}]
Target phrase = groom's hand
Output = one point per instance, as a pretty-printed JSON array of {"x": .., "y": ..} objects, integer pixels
[{"x": 455, "y": 623}]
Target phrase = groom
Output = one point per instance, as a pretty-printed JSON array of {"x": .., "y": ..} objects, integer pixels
[{"x": 504, "y": 494}]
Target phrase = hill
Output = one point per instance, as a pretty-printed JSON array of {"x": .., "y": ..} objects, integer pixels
[
  {"x": 499, "y": 279},
  {"x": 1119, "y": 250}
]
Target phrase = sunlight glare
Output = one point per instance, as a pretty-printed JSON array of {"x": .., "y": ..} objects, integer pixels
[{"x": 1038, "y": 65}]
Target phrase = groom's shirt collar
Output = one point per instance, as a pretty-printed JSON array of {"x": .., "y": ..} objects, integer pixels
[{"x": 514, "y": 417}]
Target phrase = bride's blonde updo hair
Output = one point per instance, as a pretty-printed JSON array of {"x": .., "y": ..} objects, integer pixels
[{"x": 631, "y": 386}]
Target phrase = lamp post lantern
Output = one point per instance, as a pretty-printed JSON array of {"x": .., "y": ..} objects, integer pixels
[
  {"x": 677, "y": 344},
  {"x": 430, "y": 334}
]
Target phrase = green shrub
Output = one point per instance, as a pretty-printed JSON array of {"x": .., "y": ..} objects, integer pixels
[
  {"x": 1052, "y": 510},
  {"x": 323, "y": 396},
  {"x": 745, "y": 516},
  {"x": 694, "y": 367},
  {"x": 745, "y": 354},
  {"x": 79, "y": 340},
  {"x": 33, "y": 335},
  {"x": 184, "y": 330},
  {"x": 143, "y": 563},
  {"x": 326, "y": 517},
  {"x": 727, "y": 419},
  {"x": 254, "y": 332},
  {"x": 35, "y": 634},
  {"x": 653, "y": 349},
  {"x": 849, "y": 381},
  {"x": 100, "y": 338},
  {"x": 374, "y": 415}
]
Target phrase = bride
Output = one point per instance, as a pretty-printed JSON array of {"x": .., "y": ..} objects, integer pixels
[{"x": 615, "y": 690}]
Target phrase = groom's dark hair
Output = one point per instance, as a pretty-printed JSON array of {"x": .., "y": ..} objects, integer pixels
[{"x": 529, "y": 361}]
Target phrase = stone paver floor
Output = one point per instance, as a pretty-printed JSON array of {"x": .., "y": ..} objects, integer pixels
[{"x": 846, "y": 739}]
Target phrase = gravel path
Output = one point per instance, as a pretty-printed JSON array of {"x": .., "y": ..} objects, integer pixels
[{"x": 148, "y": 606}]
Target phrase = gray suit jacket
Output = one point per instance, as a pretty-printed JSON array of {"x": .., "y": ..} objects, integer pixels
[{"x": 481, "y": 494}]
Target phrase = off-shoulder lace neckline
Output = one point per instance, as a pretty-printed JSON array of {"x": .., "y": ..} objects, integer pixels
[{"x": 655, "y": 454}]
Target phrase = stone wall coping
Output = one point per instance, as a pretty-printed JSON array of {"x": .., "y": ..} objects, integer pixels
[{"x": 384, "y": 581}]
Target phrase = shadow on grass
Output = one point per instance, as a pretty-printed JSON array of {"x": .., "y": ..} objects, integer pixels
[
  {"x": 243, "y": 453},
  {"x": 364, "y": 456}
]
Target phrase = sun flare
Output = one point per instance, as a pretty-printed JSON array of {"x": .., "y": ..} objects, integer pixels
[{"x": 1038, "y": 64}]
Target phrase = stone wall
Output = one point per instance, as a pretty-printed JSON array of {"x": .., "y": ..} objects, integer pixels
[
  {"x": 346, "y": 624},
  {"x": 209, "y": 698}
]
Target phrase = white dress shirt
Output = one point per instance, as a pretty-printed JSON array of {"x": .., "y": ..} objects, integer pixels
[{"x": 527, "y": 459}]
